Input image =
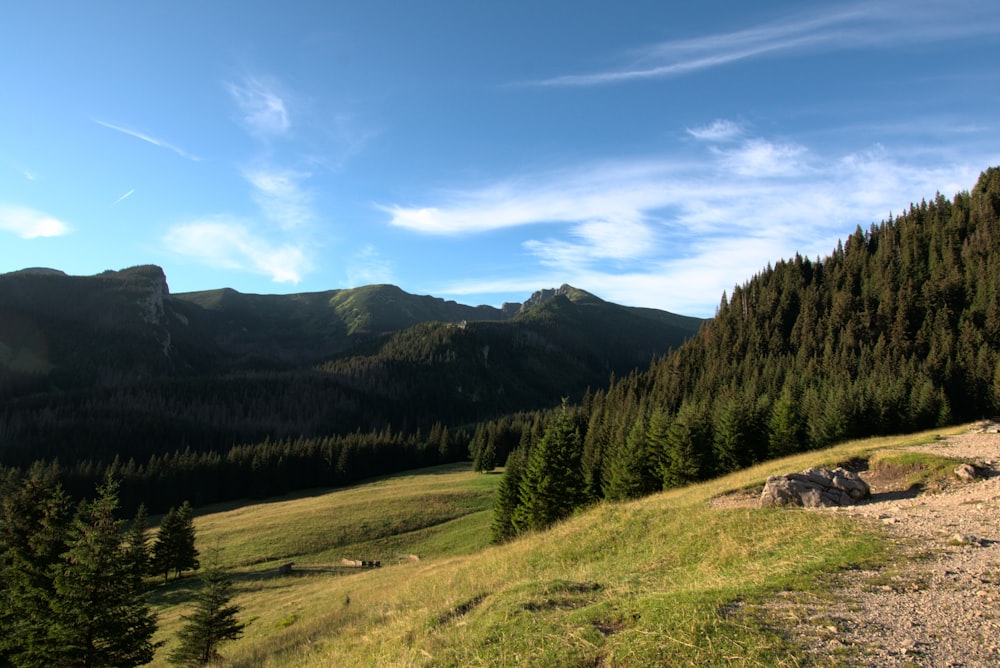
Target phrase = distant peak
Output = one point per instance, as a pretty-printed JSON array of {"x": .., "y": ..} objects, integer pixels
[
  {"x": 565, "y": 290},
  {"x": 37, "y": 271}
]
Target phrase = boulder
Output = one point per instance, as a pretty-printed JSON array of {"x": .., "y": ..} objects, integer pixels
[
  {"x": 815, "y": 488},
  {"x": 966, "y": 472}
]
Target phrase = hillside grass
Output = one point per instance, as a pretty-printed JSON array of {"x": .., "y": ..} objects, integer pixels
[{"x": 665, "y": 580}]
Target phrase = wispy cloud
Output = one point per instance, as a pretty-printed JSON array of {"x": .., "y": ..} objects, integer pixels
[
  {"x": 280, "y": 195},
  {"x": 29, "y": 223},
  {"x": 123, "y": 197},
  {"x": 719, "y": 130},
  {"x": 611, "y": 192},
  {"x": 676, "y": 232},
  {"x": 847, "y": 26},
  {"x": 261, "y": 105},
  {"x": 226, "y": 243},
  {"x": 148, "y": 139},
  {"x": 759, "y": 157}
]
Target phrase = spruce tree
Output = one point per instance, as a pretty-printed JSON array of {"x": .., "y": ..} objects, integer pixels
[
  {"x": 174, "y": 549},
  {"x": 212, "y": 622},
  {"x": 137, "y": 543},
  {"x": 100, "y": 615},
  {"x": 630, "y": 475},
  {"x": 34, "y": 517},
  {"x": 687, "y": 443},
  {"x": 507, "y": 498},
  {"x": 553, "y": 485}
]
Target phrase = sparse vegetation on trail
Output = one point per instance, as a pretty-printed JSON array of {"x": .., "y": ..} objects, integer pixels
[{"x": 669, "y": 579}]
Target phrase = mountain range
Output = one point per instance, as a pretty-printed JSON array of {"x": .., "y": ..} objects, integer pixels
[{"x": 97, "y": 366}]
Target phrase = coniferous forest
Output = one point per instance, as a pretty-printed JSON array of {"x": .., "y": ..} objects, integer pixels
[
  {"x": 898, "y": 329},
  {"x": 218, "y": 395}
]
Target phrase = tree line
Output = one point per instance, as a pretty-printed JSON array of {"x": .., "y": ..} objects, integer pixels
[
  {"x": 258, "y": 470},
  {"x": 898, "y": 329}
]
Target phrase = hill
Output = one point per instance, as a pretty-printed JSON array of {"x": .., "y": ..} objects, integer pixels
[
  {"x": 898, "y": 329},
  {"x": 671, "y": 579},
  {"x": 113, "y": 371}
]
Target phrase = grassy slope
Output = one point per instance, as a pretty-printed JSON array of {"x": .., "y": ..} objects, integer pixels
[{"x": 651, "y": 582}]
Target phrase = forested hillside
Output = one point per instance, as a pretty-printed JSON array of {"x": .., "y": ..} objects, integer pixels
[
  {"x": 897, "y": 329},
  {"x": 216, "y": 395}
]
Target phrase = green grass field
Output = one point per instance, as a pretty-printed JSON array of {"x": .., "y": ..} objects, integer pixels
[{"x": 664, "y": 580}]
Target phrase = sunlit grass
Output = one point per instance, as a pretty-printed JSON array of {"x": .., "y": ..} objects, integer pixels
[{"x": 660, "y": 581}]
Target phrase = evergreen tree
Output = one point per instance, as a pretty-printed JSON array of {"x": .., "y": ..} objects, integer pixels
[
  {"x": 100, "y": 615},
  {"x": 484, "y": 450},
  {"x": 687, "y": 442},
  {"x": 785, "y": 427},
  {"x": 553, "y": 485},
  {"x": 507, "y": 498},
  {"x": 212, "y": 622},
  {"x": 631, "y": 468},
  {"x": 174, "y": 549},
  {"x": 137, "y": 544},
  {"x": 34, "y": 517}
]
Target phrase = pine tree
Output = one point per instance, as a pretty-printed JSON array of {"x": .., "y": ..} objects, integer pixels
[
  {"x": 507, "y": 498},
  {"x": 100, "y": 615},
  {"x": 687, "y": 441},
  {"x": 785, "y": 427},
  {"x": 34, "y": 517},
  {"x": 174, "y": 549},
  {"x": 631, "y": 467},
  {"x": 553, "y": 484},
  {"x": 137, "y": 543},
  {"x": 212, "y": 622}
]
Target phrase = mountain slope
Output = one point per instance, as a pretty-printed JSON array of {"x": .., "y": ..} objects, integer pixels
[
  {"x": 94, "y": 368},
  {"x": 898, "y": 329}
]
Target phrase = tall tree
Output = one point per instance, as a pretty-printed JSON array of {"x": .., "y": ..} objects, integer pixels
[
  {"x": 507, "y": 498},
  {"x": 174, "y": 549},
  {"x": 100, "y": 615},
  {"x": 212, "y": 622},
  {"x": 34, "y": 517},
  {"x": 553, "y": 485},
  {"x": 632, "y": 467},
  {"x": 687, "y": 442}
]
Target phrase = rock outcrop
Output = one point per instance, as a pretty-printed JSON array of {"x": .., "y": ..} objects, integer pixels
[{"x": 815, "y": 488}]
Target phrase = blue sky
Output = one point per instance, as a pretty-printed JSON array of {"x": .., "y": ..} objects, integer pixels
[{"x": 653, "y": 153}]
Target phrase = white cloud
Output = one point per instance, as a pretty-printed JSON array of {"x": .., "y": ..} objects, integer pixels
[
  {"x": 612, "y": 192},
  {"x": 29, "y": 223},
  {"x": 850, "y": 26},
  {"x": 675, "y": 233},
  {"x": 758, "y": 157},
  {"x": 280, "y": 196},
  {"x": 717, "y": 131},
  {"x": 226, "y": 243},
  {"x": 149, "y": 140},
  {"x": 594, "y": 241},
  {"x": 262, "y": 107}
]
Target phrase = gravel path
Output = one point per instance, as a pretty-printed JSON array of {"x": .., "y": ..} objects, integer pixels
[{"x": 940, "y": 604}]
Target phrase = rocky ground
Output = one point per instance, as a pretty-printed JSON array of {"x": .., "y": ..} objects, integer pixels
[{"x": 940, "y": 604}]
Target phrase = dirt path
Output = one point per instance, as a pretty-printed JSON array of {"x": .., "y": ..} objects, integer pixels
[{"x": 940, "y": 605}]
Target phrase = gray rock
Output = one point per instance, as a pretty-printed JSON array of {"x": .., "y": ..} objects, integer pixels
[
  {"x": 815, "y": 488},
  {"x": 966, "y": 472}
]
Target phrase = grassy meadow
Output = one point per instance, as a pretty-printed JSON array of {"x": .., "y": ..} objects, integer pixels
[{"x": 659, "y": 581}]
